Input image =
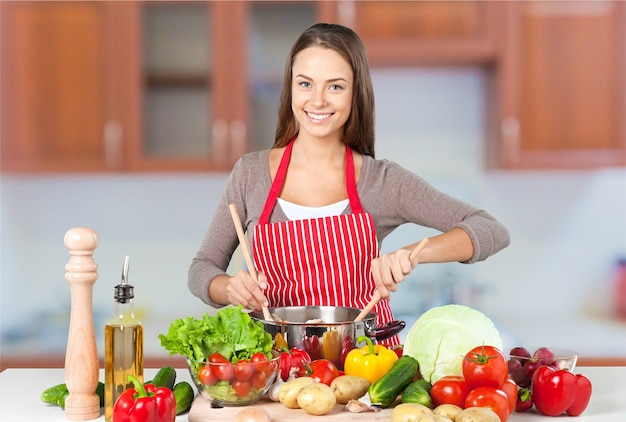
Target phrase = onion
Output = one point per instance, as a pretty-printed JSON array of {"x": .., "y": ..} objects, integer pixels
[{"x": 253, "y": 414}]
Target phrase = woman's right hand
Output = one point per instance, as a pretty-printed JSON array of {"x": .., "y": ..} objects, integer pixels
[{"x": 243, "y": 290}]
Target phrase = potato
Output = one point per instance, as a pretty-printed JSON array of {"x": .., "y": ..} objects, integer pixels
[
  {"x": 349, "y": 387},
  {"x": 288, "y": 392},
  {"x": 316, "y": 399},
  {"x": 449, "y": 410},
  {"x": 411, "y": 412},
  {"x": 441, "y": 418},
  {"x": 477, "y": 414}
]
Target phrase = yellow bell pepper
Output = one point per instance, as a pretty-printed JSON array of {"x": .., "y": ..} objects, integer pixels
[
  {"x": 370, "y": 361},
  {"x": 279, "y": 342},
  {"x": 331, "y": 346}
]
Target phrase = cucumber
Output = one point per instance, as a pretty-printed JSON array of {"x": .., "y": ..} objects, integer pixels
[
  {"x": 183, "y": 392},
  {"x": 384, "y": 391},
  {"x": 57, "y": 394},
  {"x": 53, "y": 394},
  {"x": 165, "y": 377},
  {"x": 416, "y": 393}
]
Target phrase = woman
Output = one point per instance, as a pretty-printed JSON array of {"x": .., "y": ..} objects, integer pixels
[{"x": 317, "y": 205}]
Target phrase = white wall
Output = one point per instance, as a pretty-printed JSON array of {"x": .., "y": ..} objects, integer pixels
[{"x": 552, "y": 286}]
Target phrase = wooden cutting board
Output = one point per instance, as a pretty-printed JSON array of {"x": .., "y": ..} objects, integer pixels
[{"x": 201, "y": 411}]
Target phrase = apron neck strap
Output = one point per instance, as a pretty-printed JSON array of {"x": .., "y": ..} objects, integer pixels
[{"x": 281, "y": 175}]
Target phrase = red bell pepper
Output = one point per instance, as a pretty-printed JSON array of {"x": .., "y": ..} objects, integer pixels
[
  {"x": 293, "y": 358},
  {"x": 583, "y": 395},
  {"x": 145, "y": 403},
  {"x": 524, "y": 399},
  {"x": 556, "y": 391}
]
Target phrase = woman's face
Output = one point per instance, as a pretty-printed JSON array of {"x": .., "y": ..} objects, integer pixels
[{"x": 322, "y": 85}]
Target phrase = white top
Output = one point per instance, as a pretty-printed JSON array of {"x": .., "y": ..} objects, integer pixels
[{"x": 300, "y": 212}]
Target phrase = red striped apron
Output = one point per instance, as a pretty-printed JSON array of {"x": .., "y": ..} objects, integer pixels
[{"x": 322, "y": 261}]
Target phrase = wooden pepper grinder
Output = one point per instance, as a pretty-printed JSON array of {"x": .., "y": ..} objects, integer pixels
[{"x": 81, "y": 356}]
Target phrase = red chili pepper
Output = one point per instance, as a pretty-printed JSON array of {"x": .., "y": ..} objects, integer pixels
[
  {"x": 347, "y": 344},
  {"x": 145, "y": 403},
  {"x": 293, "y": 358},
  {"x": 312, "y": 347},
  {"x": 583, "y": 395},
  {"x": 554, "y": 391}
]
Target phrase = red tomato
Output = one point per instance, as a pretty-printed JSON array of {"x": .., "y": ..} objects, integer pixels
[
  {"x": 450, "y": 389},
  {"x": 242, "y": 388},
  {"x": 217, "y": 358},
  {"x": 485, "y": 366},
  {"x": 323, "y": 370},
  {"x": 206, "y": 375},
  {"x": 510, "y": 389},
  {"x": 223, "y": 371},
  {"x": 243, "y": 370},
  {"x": 262, "y": 363},
  {"x": 490, "y": 397},
  {"x": 258, "y": 380}
]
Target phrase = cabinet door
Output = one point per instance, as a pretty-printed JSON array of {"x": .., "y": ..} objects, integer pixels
[
  {"x": 55, "y": 87},
  {"x": 424, "y": 32},
  {"x": 563, "y": 86}
]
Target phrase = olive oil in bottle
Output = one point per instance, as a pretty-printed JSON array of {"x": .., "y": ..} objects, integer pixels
[{"x": 123, "y": 345}]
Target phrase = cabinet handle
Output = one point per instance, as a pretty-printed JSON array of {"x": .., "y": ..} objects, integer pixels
[
  {"x": 238, "y": 132},
  {"x": 113, "y": 133},
  {"x": 219, "y": 130},
  {"x": 347, "y": 12},
  {"x": 510, "y": 130}
]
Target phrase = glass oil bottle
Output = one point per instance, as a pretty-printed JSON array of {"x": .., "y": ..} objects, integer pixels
[{"x": 123, "y": 345}]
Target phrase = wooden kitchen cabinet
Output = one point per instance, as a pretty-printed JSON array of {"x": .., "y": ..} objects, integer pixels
[
  {"x": 410, "y": 33},
  {"x": 560, "y": 89},
  {"x": 143, "y": 86},
  {"x": 56, "y": 88}
]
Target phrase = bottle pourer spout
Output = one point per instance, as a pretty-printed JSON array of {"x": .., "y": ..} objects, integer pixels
[{"x": 124, "y": 291}]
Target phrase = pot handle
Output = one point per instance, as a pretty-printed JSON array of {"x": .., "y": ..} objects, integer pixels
[{"x": 388, "y": 330}]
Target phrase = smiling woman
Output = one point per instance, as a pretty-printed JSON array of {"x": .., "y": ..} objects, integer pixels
[{"x": 323, "y": 155}]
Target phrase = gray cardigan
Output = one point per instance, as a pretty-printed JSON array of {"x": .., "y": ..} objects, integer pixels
[{"x": 390, "y": 193}]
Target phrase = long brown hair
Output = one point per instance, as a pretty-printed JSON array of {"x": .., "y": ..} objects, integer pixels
[{"x": 359, "y": 128}]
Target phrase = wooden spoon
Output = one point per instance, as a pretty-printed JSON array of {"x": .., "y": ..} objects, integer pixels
[
  {"x": 376, "y": 297},
  {"x": 243, "y": 241}
]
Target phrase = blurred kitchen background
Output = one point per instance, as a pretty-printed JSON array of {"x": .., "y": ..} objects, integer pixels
[{"x": 125, "y": 117}]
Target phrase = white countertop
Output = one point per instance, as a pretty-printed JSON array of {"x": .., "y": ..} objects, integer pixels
[{"x": 21, "y": 389}]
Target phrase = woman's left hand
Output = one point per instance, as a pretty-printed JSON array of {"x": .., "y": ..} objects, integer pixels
[{"x": 390, "y": 269}]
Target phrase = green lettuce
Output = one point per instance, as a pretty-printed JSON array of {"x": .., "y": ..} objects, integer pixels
[
  {"x": 232, "y": 333},
  {"x": 443, "y": 335}
]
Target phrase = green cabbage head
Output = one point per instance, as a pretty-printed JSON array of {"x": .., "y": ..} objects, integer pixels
[{"x": 443, "y": 335}]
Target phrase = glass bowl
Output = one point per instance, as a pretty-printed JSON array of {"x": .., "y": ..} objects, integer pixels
[
  {"x": 524, "y": 361},
  {"x": 234, "y": 384}
]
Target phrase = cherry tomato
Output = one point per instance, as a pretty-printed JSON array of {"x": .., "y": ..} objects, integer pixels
[
  {"x": 262, "y": 363},
  {"x": 510, "y": 389},
  {"x": 217, "y": 358},
  {"x": 242, "y": 388},
  {"x": 223, "y": 371},
  {"x": 451, "y": 389},
  {"x": 258, "y": 380},
  {"x": 485, "y": 366},
  {"x": 490, "y": 397},
  {"x": 243, "y": 370},
  {"x": 323, "y": 370},
  {"x": 206, "y": 375}
]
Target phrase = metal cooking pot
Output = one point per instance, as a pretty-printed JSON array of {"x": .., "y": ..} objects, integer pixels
[{"x": 331, "y": 339}]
